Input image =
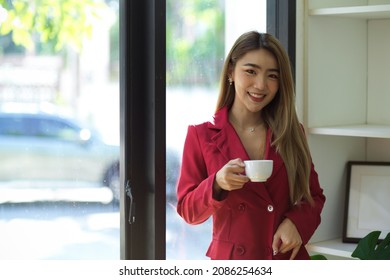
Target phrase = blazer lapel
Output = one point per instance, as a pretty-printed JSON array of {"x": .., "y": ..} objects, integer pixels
[{"x": 225, "y": 138}]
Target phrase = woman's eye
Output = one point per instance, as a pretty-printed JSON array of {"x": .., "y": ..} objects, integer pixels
[
  {"x": 250, "y": 71},
  {"x": 274, "y": 76}
]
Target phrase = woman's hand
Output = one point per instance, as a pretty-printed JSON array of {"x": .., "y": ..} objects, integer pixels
[
  {"x": 230, "y": 176},
  {"x": 287, "y": 238}
]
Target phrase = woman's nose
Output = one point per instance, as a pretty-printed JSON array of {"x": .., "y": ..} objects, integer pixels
[{"x": 260, "y": 82}]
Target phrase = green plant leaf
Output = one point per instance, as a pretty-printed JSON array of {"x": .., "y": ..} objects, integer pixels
[
  {"x": 369, "y": 249},
  {"x": 318, "y": 257}
]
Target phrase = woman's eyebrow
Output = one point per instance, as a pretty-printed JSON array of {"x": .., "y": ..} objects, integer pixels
[{"x": 258, "y": 67}]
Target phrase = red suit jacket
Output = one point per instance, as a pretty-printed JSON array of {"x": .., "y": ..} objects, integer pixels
[{"x": 245, "y": 221}]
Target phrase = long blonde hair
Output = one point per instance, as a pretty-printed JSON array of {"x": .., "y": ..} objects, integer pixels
[{"x": 280, "y": 115}]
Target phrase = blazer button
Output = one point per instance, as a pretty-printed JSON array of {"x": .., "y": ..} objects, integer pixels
[
  {"x": 270, "y": 208},
  {"x": 241, "y": 207},
  {"x": 240, "y": 250}
]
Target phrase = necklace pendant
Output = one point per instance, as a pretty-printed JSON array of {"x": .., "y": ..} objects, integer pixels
[{"x": 252, "y": 129}]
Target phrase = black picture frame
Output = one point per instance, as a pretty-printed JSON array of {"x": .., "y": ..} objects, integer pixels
[{"x": 367, "y": 200}]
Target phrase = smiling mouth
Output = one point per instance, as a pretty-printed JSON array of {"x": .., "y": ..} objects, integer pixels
[{"x": 256, "y": 96}]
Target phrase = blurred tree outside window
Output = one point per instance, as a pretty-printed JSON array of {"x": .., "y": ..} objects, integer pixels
[
  {"x": 59, "y": 23},
  {"x": 195, "y": 42},
  {"x": 68, "y": 45}
]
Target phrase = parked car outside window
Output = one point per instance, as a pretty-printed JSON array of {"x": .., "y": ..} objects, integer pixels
[{"x": 38, "y": 148}]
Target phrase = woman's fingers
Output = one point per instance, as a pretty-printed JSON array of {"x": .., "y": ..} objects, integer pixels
[{"x": 230, "y": 176}]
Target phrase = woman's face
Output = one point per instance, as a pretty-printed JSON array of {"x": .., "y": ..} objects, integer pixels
[{"x": 256, "y": 80}]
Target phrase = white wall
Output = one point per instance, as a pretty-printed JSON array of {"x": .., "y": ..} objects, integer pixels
[{"x": 243, "y": 16}]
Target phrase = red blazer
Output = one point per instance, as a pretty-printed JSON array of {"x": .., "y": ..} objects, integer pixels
[{"x": 245, "y": 221}]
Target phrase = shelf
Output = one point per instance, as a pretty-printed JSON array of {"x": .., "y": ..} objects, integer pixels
[
  {"x": 364, "y": 130},
  {"x": 364, "y": 12},
  {"x": 345, "y": 93},
  {"x": 333, "y": 247}
]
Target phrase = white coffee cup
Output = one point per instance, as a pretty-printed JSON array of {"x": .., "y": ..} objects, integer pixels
[{"x": 258, "y": 170}]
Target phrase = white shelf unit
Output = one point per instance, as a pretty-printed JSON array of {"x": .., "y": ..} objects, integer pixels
[
  {"x": 365, "y": 12},
  {"x": 364, "y": 130},
  {"x": 348, "y": 64},
  {"x": 344, "y": 81},
  {"x": 333, "y": 247}
]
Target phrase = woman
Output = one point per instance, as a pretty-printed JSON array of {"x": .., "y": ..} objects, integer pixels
[{"x": 255, "y": 119}]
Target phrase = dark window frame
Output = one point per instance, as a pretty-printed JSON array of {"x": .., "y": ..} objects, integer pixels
[
  {"x": 143, "y": 110},
  {"x": 142, "y": 168},
  {"x": 281, "y": 22}
]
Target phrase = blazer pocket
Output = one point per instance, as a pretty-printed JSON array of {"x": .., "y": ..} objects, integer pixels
[{"x": 220, "y": 250}]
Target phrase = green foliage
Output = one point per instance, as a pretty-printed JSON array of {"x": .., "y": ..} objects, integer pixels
[
  {"x": 369, "y": 248},
  {"x": 62, "y": 22},
  {"x": 195, "y": 41},
  {"x": 318, "y": 257}
]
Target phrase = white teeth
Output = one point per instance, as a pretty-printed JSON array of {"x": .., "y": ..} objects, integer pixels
[{"x": 256, "y": 95}]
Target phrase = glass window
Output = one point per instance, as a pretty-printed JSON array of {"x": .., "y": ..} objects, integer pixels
[
  {"x": 199, "y": 34},
  {"x": 59, "y": 130},
  {"x": 77, "y": 216}
]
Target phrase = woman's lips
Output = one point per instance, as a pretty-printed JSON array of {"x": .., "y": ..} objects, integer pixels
[{"x": 257, "y": 97}]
